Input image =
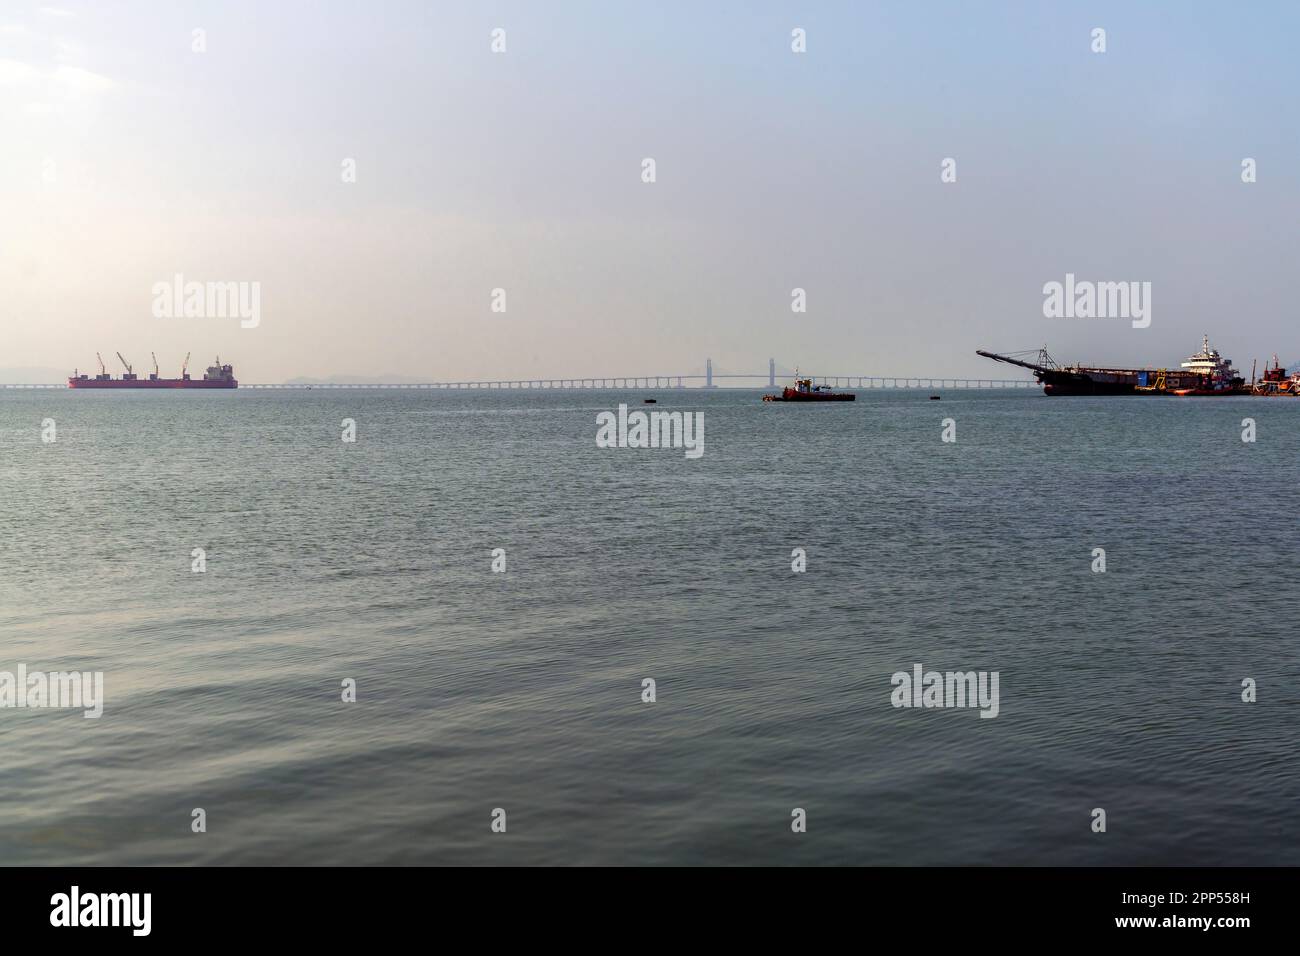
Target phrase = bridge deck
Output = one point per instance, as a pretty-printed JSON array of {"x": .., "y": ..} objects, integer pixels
[{"x": 863, "y": 382}]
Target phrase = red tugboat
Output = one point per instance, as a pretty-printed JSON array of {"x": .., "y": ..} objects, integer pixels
[
  {"x": 217, "y": 376},
  {"x": 805, "y": 391}
]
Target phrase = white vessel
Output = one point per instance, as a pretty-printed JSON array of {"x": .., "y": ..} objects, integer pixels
[{"x": 1216, "y": 372}]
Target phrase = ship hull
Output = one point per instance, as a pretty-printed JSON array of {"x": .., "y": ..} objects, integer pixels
[
  {"x": 150, "y": 383},
  {"x": 1084, "y": 385},
  {"x": 1125, "y": 382},
  {"x": 813, "y": 397}
]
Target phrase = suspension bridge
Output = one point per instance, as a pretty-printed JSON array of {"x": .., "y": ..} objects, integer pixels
[{"x": 709, "y": 379}]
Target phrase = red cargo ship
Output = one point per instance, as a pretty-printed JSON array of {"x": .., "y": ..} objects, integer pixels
[{"x": 217, "y": 376}]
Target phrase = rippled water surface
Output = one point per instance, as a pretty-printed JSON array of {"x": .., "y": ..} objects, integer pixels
[{"x": 522, "y": 690}]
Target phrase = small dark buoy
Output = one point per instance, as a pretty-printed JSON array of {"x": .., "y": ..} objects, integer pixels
[
  {"x": 650, "y": 401},
  {"x": 934, "y": 398}
]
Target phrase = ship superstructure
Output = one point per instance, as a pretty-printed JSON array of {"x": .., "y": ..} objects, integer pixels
[{"x": 1214, "y": 372}]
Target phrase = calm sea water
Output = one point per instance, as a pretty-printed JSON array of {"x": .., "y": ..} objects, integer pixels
[{"x": 522, "y": 690}]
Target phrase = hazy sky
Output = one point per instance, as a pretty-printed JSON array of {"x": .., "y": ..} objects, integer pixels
[{"x": 126, "y": 157}]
